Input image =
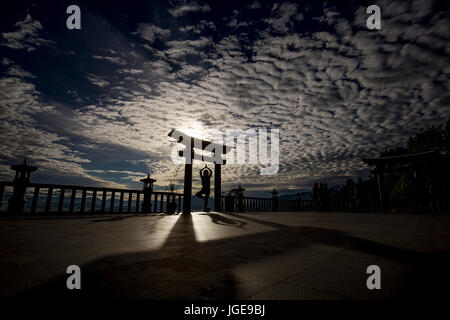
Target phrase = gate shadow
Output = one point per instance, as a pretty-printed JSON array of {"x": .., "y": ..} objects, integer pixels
[{"x": 186, "y": 269}]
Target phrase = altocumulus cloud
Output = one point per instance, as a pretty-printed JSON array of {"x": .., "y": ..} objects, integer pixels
[{"x": 336, "y": 90}]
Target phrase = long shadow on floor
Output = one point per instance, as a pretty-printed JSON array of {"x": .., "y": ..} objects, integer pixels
[
  {"x": 120, "y": 217},
  {"x": 221, "y": 219},
  {"x": 186, "y": 269}
]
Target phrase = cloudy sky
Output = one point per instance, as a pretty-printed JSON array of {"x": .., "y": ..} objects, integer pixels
[{"x": 94, "y": 106}]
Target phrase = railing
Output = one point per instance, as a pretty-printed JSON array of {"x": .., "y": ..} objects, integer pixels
[
  {"x": 252, "y": 204},
  {"x": 54, "y": 198},
  {"x": 346, "y": 206},
  {"x": 60, "y": 199}
]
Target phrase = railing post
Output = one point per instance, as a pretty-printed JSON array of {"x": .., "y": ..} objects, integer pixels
[
  {"x": 138, "y": 195},
  {"x": 61, "y": 199},
  {"x": 72, "y": 200},
  {"x": 93, "y": 200},
  {"x": 103, "y": 201},
  {"x": 161, "y": 203},
  {"x": 49, "y": 200},
  {"x": 2, "y": 188},
  {"x": 35, "y": 199},
  {"x": 155, "y": 204},
  {"x": 83, "y": 200},
  {"x": 121, "y": 201},
  {"x": 111, "y": 204},
  {"x": 130, "y": 198}
]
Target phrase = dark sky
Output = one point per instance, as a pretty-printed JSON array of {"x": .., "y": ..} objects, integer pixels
[{"x": 94, "y": 106}]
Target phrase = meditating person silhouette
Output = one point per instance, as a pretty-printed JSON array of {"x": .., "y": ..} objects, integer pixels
[{"x": 205, "y": 174}]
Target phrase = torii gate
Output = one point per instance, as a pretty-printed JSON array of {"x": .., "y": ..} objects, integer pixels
[{"x": 218, "y": 150}]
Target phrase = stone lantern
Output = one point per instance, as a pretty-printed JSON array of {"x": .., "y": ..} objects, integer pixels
[
  {"x": 22, "y": 178},
  {"x": 148, "y": 189}
]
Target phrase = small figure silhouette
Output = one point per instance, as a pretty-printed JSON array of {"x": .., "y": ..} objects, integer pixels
[
  {"x": 171, "y": 207},
  {"x": 315, "y": 196},
  {"x": 205, "y": 175}
]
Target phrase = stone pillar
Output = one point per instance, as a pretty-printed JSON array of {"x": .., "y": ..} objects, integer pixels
[
  {"x": 187, "y": 188},
  {"x": 217, "y": 187}
]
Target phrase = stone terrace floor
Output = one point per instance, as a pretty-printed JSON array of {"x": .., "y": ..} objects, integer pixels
[{"x": 298, "y": 255}]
